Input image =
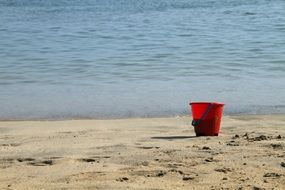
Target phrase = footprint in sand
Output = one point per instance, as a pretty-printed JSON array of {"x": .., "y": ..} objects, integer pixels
[
  {"x": 260, "y": 138},
  {"x": 148, "y": 147},
  {"x": 87, "y": 160},
  {"x": 93, "y": 159},
  {"x": 35, "y": 162},
  {"x": 6, "y": 162},
  {"x": 10, "y": 144},
  {"x": 42, "y": 163},
  {"x": 232, "y": 143},
  {"x": 25, "y": 159},
  {"x": 175, "y": 165},
  {"x": 187, "y": 178},
  {"x": 99, "y": 157},
  {"x": 154, "y": 173}
]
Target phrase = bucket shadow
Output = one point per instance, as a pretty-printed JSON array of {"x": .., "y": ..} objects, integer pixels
[{"x": 174, "y": 137}]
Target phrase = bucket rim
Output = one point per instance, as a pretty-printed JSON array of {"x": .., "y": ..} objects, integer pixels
[{"x": 215, "y": 103}]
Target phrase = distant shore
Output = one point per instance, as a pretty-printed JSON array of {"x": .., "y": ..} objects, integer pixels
[{"x": 143, "y": 153}]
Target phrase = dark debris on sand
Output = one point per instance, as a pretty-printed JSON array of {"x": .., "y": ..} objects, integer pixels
[
  {"x": 87, "y": 160},
  {"x": 257, "y": 188},
  {"x": 157, "y": 174},
  {"x": 176, "y": 171},
  {"x": 246, "y": 136},
  {"x": 276, "y": 146},
  {"x": 186, "y": 178},
  {"x": 224, "y": 170},
  {"x": 235, "y": 137},
  {"x": 122, "y": 179},
  {"x": 274, "y": 175},
  {"x": 209, "y": 159},
  {"x": 160, "y": 174},
  {"x": 258, "y": 138},
  {"x": 261, "y": 138}
]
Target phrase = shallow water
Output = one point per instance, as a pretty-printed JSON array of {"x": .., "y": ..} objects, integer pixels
[{"x": 140, "y": 58}]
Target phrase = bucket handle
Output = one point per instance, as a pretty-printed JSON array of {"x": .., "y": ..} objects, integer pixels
[{"x": 196, "y": 122}]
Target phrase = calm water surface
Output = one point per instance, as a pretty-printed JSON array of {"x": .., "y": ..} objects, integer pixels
[{"x": 139, "y": 58}]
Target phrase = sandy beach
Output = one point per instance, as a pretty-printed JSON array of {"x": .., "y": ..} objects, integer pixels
[{"x": 151, "y": 153}]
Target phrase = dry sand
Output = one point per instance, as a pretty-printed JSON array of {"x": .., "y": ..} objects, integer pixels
[{"x": 154, "y": 153}]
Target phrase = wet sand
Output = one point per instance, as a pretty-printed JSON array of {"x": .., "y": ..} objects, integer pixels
[{"x": 152, "y": 153}]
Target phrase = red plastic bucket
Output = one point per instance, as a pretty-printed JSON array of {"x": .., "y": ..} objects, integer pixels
[{"x": 207, "y": 117}]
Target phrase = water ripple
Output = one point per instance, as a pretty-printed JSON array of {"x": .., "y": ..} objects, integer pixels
[{"x": 103, "y": 57}]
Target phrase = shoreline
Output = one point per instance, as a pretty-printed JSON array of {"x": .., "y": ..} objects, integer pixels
[
  {"x": 135, "y": 117},
  {"x": 142, "y": 153}
]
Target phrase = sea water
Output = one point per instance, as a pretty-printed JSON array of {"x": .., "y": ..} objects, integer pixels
[{"x": 139, "y": 58}]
